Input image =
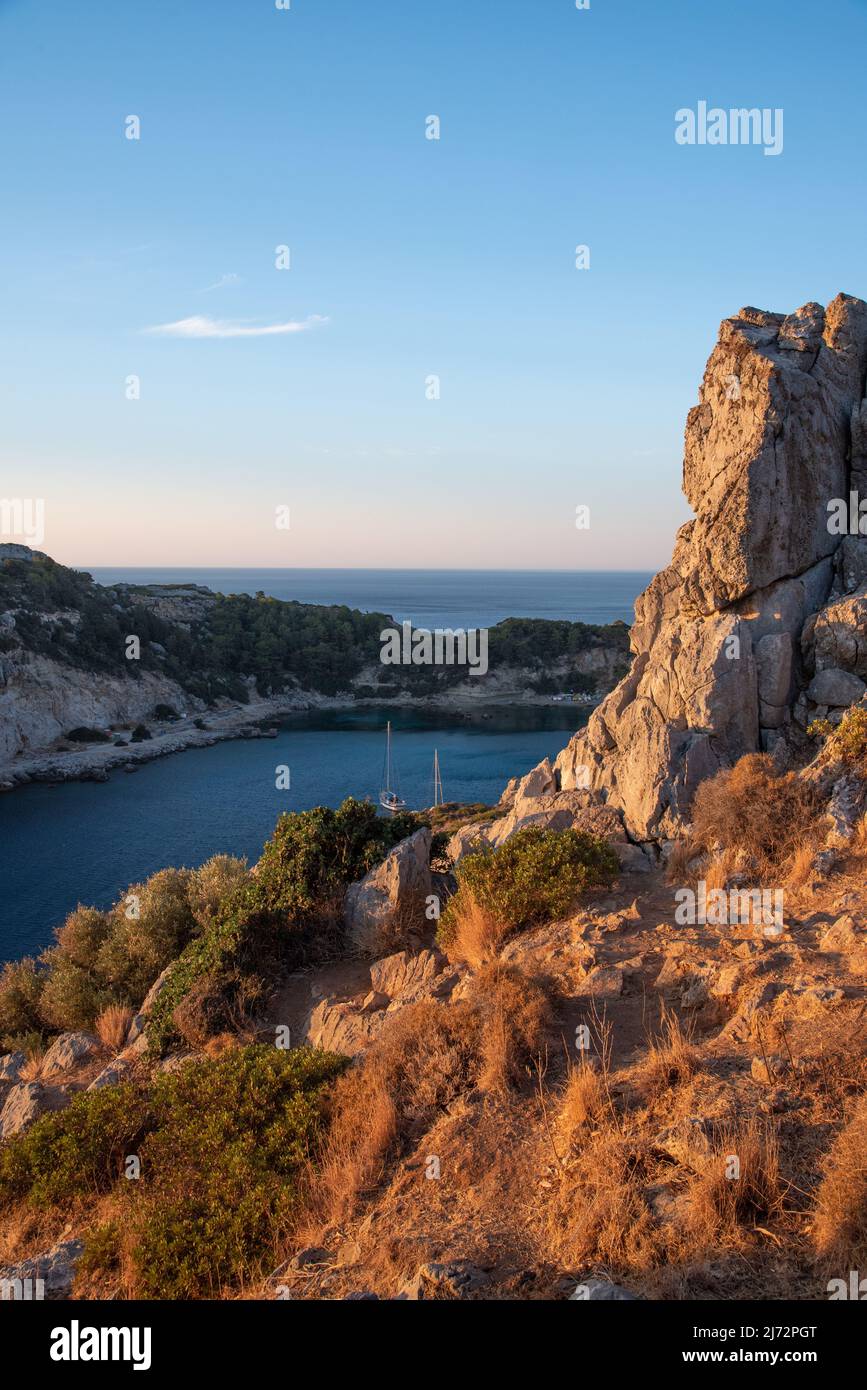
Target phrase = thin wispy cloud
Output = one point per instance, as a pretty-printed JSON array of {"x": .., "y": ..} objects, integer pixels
[
  {"x": 200, "y": 326},
  {"x": 224, "y": 282}
]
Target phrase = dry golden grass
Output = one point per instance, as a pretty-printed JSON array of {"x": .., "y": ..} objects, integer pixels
[
  {"x": 515, "y": 1014},
  {"x": 677, "y": 869},
  {"x": 478, "y": 935},
  {"x": 32, "y": 1068},
  {"x": 599, "y": 1215},
  {"x": 671, "y": 1058},
  {"x": 801, "y": 865},
  {"x": 584, "y": 1097},
  {"x": 840, "y": 1228},
  {"x": 858, "y": 846},
  {"x": 739, "y": 1183},
  {"x": 750, "y": 809},
  {"x": 221, "y": 1043},
  {"x": 112, "y": 1026},
  {"x": 424, "y": 1060},
  {"x": 718, "y": 869}
]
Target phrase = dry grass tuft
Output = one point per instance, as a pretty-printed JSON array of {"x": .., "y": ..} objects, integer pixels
[
  {"x": 515, "y": 1017},
  {"x": 425, "y": 1059},
  {"x": 739, "y": 1183},
  {"x": 858, "y": 846},
  {"x": 221, "y": 1043},
  {"x": 112, "y": 1026},
  {"x": 671, "y": 1057},
  {"x": 750, "y": 809},
  {"x": 840, "y": 1228},
  {"x": 584, "y": 1097},
  {"x": 677, "y": 868},
  {"x": 801, "y": 866},
  {"x": 32, "y": 1068},
  {"x": 599, "y": 1215},
  {"x": 477, "y": 935}
]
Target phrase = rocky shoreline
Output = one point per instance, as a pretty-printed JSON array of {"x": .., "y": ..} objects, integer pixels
[{"x": 258, "y": 719}]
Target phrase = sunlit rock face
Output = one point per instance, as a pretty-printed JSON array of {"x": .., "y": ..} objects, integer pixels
[{"x": 763, "y": 590}]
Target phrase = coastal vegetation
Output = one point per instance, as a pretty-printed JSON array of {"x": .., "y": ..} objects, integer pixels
[
  {"x": 222, "y": 929},
  {"x": 215, "y": 645},
  {"x": 222, "y": 1149},
  {"x": 535, "y": 876}
]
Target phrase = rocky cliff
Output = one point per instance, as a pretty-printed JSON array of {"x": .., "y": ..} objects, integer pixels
[{"x": 757, "y": 625}]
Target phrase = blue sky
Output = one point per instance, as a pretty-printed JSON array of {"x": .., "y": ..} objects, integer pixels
[{"x": 454, "y": 257}]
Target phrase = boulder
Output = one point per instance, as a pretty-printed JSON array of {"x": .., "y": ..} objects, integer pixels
[
  {"x": 10, "y": 1066},
  {"x": 343, "y": 1027},
  {"x": 835, "y": 688},
  {"x": 69, "y": 1051},
  {"x": 388, "y": 900},
  {"x": 48, "y": 1276},
  {"x": 837, "y": 640},
  {"x": 406, "y": 977},
  {"x": 602, "y": 1291},
  {"x": 26, "y": 1102}
]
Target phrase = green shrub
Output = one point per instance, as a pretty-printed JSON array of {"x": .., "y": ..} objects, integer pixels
[
  {"x": 222, "y": 1166},
  {"x": 101, "y": 1251},
  {"x": 140, "y": 733},
  {"x": 223, "y": 1147},
  {"x": 848, "y": 741},
  {"x": 85, "y": 735},
  {"x": 273, "y": 917},
  {"x": 165, "y": 712},
  {"x": 77, "y": 1151},
  {"x": 21, "y": 984},
  {"x": 73, "y": 997},
  {"x": 535, "y": 876},
  {"x": 149, "y": 927},
  {"x": 211, "y": 884}
]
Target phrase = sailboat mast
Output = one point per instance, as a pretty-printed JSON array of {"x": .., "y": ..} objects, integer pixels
[
  {"x": 388, "y": 756},
  {"x": 438, "y": 781}
]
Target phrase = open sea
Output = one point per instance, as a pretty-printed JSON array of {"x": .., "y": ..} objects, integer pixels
[{"x": 86, "y": 842}]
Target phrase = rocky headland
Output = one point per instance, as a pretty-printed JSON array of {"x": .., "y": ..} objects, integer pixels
[
  {"x": 603, "y": 1041},
  {"x": 210, "y": 667}
]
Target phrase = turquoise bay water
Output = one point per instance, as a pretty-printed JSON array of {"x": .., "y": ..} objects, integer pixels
[{"x": 85, "y": 842}]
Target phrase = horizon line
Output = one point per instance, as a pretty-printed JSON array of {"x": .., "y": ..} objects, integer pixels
[{"x": 369, "y": 569}]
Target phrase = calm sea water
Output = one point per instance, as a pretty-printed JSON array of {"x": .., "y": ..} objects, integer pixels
[
  {"x": 430, "y": 598},
  {"x": 86, "y": 842}
]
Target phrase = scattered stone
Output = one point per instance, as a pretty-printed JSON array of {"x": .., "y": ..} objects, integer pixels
[
  {"x": 312, "y": 1255},
  {"x": 10, "y": 1066},
  {"x": 26, "y": 1102},
  {"x": 456, "y": 1280},
  {"x": 602, "y": 1291},
  {"x": 604, "y": 982},
  {"x": 767, "y": 1072},
  {"x": 56, "y": 1270}
]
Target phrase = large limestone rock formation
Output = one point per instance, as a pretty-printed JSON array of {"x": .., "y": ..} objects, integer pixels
[
  {"x": 762, "y": 593},
  {"x": 382, "y": 906}
]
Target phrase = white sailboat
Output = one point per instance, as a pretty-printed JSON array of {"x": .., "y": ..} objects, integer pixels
[
  {"x": 389, "y": 797},
  {"x": 437, "y": 780}
]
